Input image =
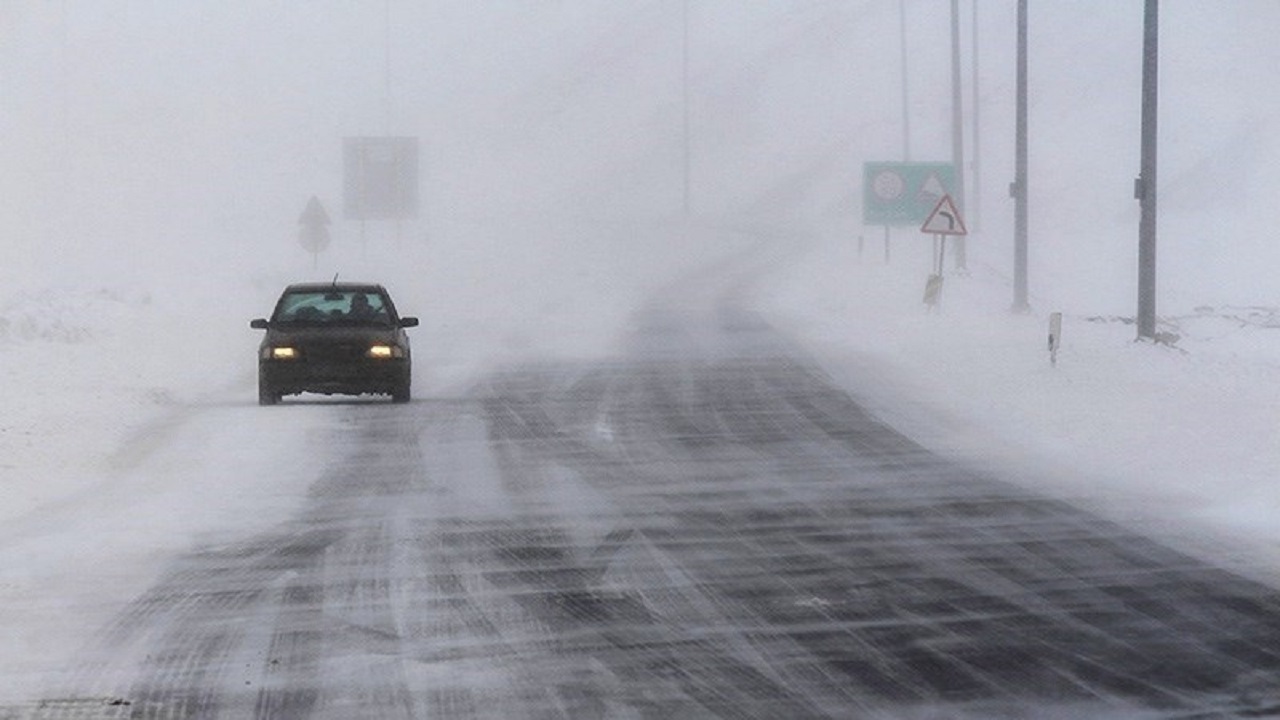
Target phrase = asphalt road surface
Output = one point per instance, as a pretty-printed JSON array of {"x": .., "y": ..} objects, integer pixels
[{"x": 703, "y": 527}]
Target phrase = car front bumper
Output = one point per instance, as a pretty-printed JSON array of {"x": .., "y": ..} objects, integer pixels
[{"x": 366, "y": 376}]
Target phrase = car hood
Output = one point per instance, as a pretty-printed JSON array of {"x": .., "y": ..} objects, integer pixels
[{"x": 303, "y": 335}]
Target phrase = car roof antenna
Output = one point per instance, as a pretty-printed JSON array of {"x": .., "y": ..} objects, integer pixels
[{"x": 335, "y": 281}]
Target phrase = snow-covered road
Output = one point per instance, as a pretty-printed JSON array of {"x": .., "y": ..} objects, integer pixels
[{"x": 706, "y": 526}]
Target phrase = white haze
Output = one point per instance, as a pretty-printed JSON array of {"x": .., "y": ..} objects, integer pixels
[
  {"x": 159, "y": 142},
  {"x": 155, "y": 157}
]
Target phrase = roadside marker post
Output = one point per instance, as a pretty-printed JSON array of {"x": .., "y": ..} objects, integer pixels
[{"x": 1055, "y": 337}]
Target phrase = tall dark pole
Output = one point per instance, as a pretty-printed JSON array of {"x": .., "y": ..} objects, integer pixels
[
  {"x": 1146, "y": 186},
  {"x": 906, "y": 97},
  {"x": 684, "y": 80},
  {"x": 1019, "y": 187},
  {"x": 975, "y": 188},
  {"x": 957, "y": 128},
  {"x": 386, "y": 69}
]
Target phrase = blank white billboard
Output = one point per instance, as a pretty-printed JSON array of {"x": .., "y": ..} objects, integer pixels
[{"x": 380, "y": 178}]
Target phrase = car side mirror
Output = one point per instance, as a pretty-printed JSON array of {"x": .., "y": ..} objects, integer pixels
[
  {"x": 259, "y": 324},
  {"x": 408, "y": 322}
]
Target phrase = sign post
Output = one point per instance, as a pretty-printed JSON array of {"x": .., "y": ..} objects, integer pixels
[
  {"x": 1055, "y": 337},
  {"x": 943, "y": 221},
  {"x": 313, "y": 229}
]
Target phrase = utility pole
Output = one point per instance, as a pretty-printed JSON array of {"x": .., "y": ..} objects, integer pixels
[
  {"x": 957, "y": 127},
  {"x": 386, "y": 68},
  {"x": 974, "y": 208},
  {"x": 1019, "y": 187},
  {"x": 906, "y": 98},
  {"x": 1145, "y": 187},
  {"x": 684, "y": 79}
]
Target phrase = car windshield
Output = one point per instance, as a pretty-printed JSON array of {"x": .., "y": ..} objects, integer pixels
[{"x": 332, "y": 307}]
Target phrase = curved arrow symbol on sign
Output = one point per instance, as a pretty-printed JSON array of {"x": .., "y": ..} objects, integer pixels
[{"x": 945, "y": 219}]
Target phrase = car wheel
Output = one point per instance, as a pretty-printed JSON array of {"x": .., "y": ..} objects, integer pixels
[
  {"x": 267, "y": 396},
  {"x": 401, "y": 394}
]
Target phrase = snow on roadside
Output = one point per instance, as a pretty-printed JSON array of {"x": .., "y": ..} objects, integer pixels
[
  {"x": 131, "y": 434},
  {"x": 1181, "y": 441},
  {"x": 83, "y": 368}
]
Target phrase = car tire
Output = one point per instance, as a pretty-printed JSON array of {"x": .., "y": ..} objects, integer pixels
[
  {"x": 267, "y": 396},
  {"x": 401, "y": 394}
]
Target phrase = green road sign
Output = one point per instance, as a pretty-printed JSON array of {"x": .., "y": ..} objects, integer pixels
[{"x": 904, "y": 193}]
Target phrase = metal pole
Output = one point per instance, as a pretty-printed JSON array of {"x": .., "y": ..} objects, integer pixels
[
  {"x": 1146, "y": 186},
  {"x": 906, "y": 104},
  {"x": 688, "y": 171},
  {"x": 386, "y": 76},
  {"x": 975, "y": 207},
  {"x": 957, "y": 126},
  {"x": 1019, "y": 187}
]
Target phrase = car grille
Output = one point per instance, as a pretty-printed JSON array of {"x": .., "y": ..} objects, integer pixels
[{"x": 327, "y": 353}]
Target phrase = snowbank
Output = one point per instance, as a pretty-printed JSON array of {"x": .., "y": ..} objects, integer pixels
[{"x": 1181, "y": 441}]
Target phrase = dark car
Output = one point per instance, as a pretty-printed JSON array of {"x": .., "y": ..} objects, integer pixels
[{"x": 334, "y": 338}]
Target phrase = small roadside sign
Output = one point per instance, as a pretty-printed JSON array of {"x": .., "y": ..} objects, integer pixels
[
  {"x": 933, "y": 291},
  {"x": 313, "y": 230},
  {"x": 1055, "y": 337},
  {"x": 945, "y": 219}
]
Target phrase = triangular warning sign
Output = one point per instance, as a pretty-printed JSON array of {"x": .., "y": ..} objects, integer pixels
[{"x": 945, "y": 219}]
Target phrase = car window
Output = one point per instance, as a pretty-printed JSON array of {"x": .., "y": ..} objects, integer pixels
[{"x": 344, "y": 307}]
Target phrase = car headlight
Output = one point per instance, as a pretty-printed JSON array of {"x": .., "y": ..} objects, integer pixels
[
  {"x": 385, "y": 352},
  {"x": 281, "y": 353}
]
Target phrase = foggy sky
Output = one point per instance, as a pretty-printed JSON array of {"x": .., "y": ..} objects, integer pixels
[{"x": 191, "y": 134}]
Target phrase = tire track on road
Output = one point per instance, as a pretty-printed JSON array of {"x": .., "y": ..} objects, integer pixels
[
  {"x": 1084, "y": 610},
  {"x": 682, "y": 536},
  {"x": 290, "y": 622}
]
